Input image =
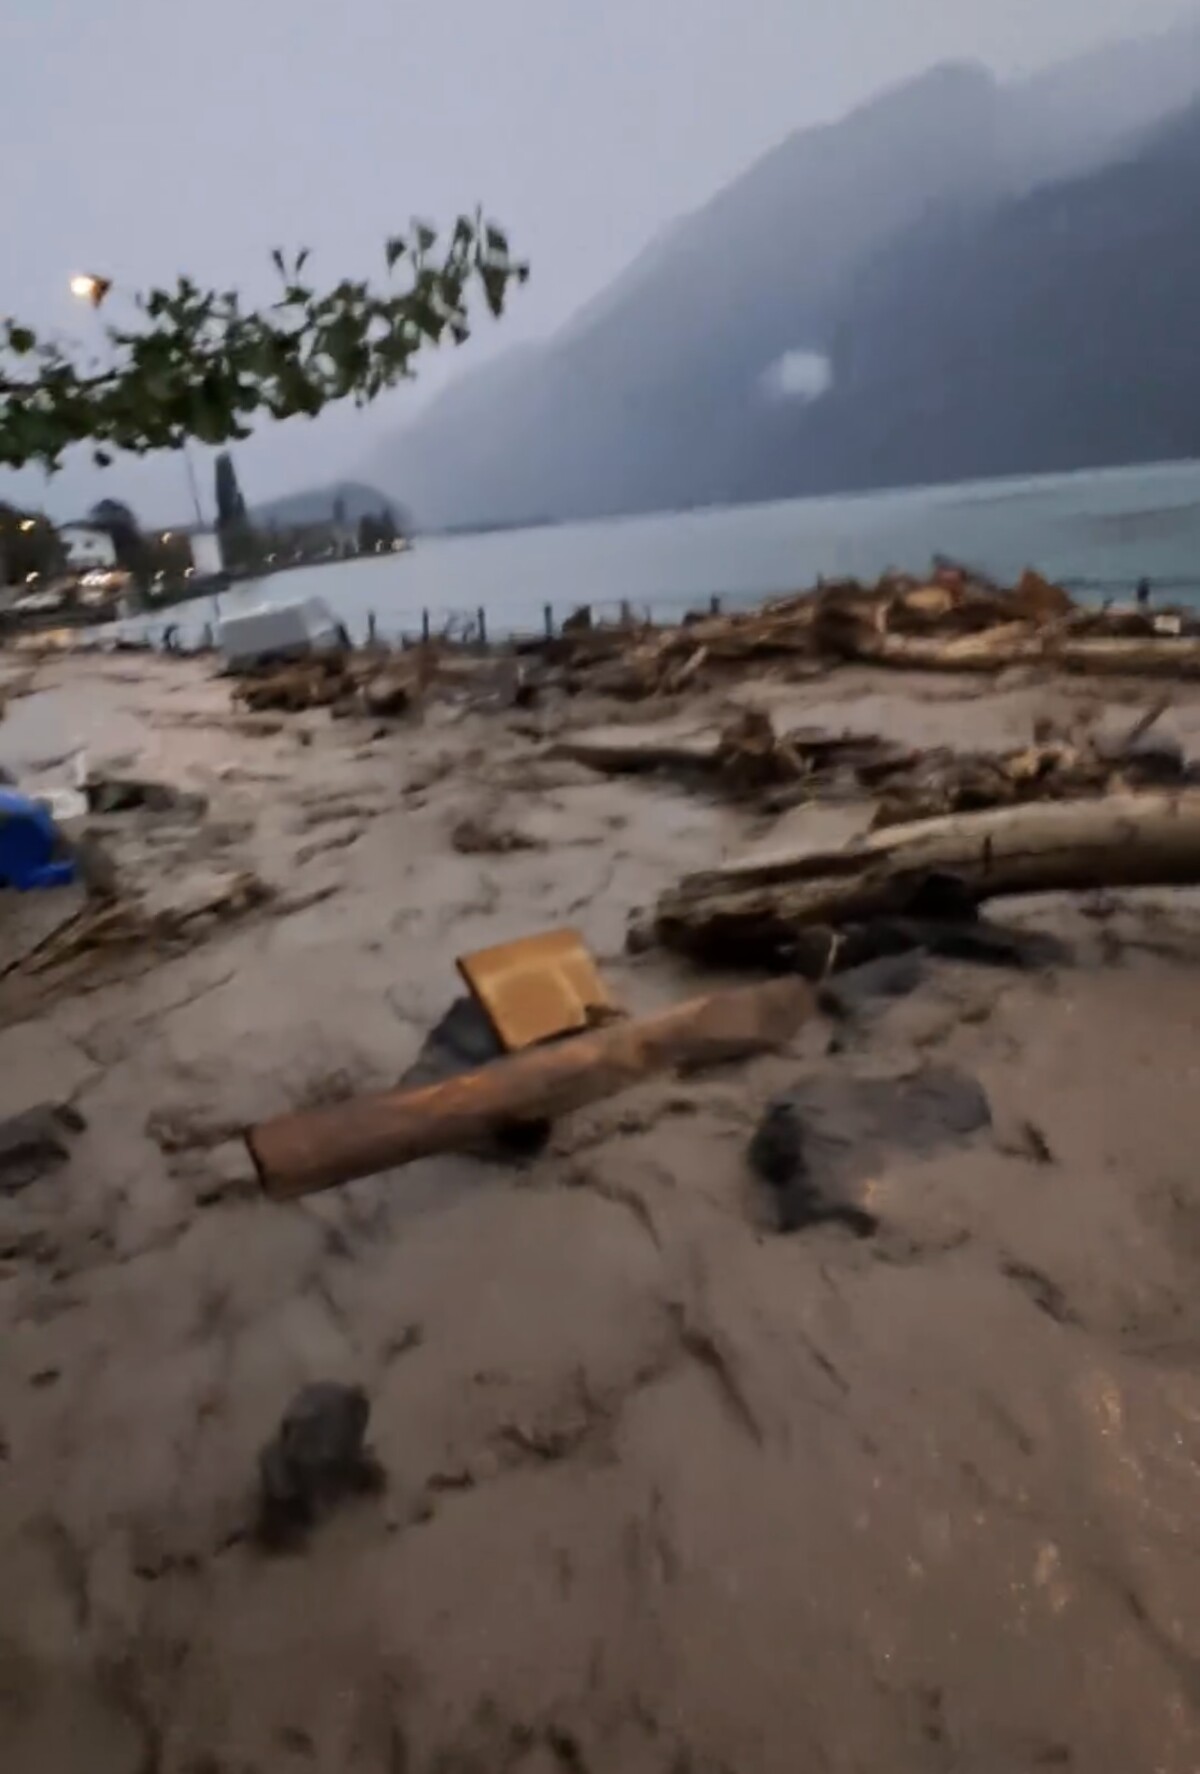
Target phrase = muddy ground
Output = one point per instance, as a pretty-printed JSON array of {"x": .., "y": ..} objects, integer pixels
[{"x": 667, "y": 1492}]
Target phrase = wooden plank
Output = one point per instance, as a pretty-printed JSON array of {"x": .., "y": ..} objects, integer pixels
[{"x": 537, "y": 988}]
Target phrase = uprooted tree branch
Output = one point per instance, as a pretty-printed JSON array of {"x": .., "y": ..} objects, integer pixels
[{"x": 195, "y": 366}]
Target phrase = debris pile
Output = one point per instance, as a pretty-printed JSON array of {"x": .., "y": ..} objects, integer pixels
[
  {"x": 317, "y": 682},
  {"x": 954, "y": 621},
  {"x": 747, "y": 757},
  {"x": 367, "y": 682}
]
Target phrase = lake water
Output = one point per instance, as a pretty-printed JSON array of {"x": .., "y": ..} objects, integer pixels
[{"x": 1098, "y": 532}]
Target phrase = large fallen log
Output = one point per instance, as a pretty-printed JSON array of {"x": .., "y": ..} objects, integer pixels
[
  {"x": 752, "y": 909},
  {"x": 320, "y": 1148},
  {"x": 1013, "y": 644},
  {"x": 1160, "y": 656}
]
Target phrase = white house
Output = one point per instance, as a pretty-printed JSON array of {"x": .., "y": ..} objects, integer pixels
[{"x": 87, "y": 547}]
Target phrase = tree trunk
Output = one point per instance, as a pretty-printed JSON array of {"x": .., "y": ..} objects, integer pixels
[
  {"x": 1168, "y": 656},
  {"x": 747, "y": 908},
  {"x": 1016, "y": 643},
  {"x": 317, "y": 1149}
]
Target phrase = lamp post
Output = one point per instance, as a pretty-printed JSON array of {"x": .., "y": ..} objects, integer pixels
[{"x": 87, "y": 287}]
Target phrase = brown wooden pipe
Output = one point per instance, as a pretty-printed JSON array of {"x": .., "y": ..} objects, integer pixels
[{"x": 320, "y": 1148}]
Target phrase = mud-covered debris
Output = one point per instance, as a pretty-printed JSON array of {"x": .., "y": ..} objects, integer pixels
[
  {"x": 396, "y": 689},
  {"x": 483, "y": 835},
  {"x": 317, "y": 1457},
  {"x": 818, "y": 1147},
  {"x": 122, "y": 794},
  {"x": 309, "y": 683},
  {"x": 1026, "y": 1140},
  {"x": 35, "y": 1142}
]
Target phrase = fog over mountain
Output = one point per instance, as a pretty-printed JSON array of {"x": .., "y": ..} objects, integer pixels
[{"x": 960, "y": 277}]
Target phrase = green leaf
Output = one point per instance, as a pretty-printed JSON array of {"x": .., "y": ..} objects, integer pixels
[{"x": 193, "y": 364}]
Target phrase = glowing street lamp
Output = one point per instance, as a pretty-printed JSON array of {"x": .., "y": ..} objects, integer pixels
[{"x": 90, "y": 289}]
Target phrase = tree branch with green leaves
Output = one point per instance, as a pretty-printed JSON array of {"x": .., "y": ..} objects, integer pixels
[{"x": 195, "y": 366}]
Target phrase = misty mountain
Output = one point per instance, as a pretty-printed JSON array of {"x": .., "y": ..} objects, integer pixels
[
  {"x": 1053, "y": 332},
  {"x": 316, "y": 506},
  {"x": 700, "y": 374}
]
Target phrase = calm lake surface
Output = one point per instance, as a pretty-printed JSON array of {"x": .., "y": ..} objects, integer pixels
[{"x": 1100, "y": 532}]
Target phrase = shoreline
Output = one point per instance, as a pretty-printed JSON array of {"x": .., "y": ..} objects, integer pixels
[{"x": 666, "y": 1489}]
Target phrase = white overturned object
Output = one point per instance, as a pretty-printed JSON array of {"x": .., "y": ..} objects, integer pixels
[{"x": 279, "y": 631}]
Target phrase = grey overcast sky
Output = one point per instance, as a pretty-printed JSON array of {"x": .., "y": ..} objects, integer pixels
[{"x": 145, "y": 137}]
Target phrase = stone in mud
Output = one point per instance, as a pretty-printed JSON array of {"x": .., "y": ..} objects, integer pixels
[
  {"x": 804, "y": 1197},
  {"x": 317, "y": 1457},
  {"x": 861, "y": 988},
  {"x": 35, "y": 1142},
  {"x": 818, "y": 1146}
]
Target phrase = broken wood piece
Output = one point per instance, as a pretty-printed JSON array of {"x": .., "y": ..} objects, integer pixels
[
  {"x": 298, "y": 1154},
  {"x": 752, "y": 908},
  {"x": 619, "y": 750},
  {"x": 537, "y": 988}
]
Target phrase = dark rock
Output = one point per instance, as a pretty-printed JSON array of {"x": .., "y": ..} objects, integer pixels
[
  {"x": 890, "y": 976},
  {"x": 317, "y": 1457},
  {"x": 777, "y": 1149},
  {"x": 35, "y": 1142},
  {"x": 804, "y": 1197},
  {"x": 957, "y": 933},
  {"x": 819, "y": 1145},
  {"x": 977, "y": 940}
]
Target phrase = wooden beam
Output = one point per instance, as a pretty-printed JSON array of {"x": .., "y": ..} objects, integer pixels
[
  {"x": 321, "y": 1148},
  {"x": 740, "y": 910}
]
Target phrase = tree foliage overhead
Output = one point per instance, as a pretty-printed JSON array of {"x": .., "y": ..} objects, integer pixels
[{"x": 197, "y": 366}]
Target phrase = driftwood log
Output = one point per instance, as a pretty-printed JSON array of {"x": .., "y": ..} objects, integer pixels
[
  {"x": 747, "y": 909},
  {"x": 1018, "y": 643},
  {"x": 320, "y": 1148}
]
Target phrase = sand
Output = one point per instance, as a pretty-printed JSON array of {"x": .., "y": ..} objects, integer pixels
[{"x": 668, "y": 1493}]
